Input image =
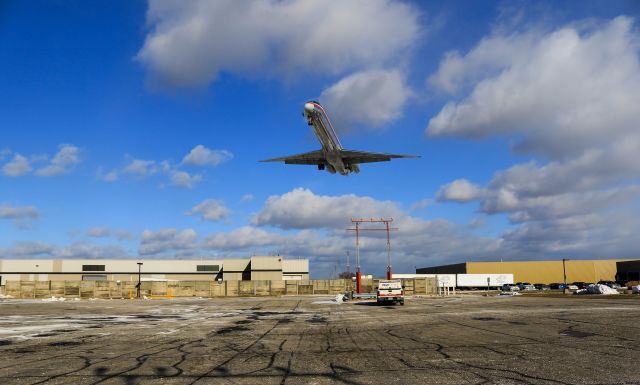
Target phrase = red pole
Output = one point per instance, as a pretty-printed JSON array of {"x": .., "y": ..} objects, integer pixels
[
  {"x": 388, "y": 252},
  {"x": 358, "y": 274}
]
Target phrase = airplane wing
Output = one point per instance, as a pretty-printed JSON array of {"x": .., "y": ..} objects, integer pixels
[
  {"x": 312, "y": 157},
  {"x": 351, "y": 156}
]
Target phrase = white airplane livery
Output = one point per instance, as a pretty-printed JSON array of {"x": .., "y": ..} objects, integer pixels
[{"x": 332, "y": 156}]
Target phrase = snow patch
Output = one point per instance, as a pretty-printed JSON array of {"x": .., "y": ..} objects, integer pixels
[
  {"x": 597, "y": 289},
  {"x": 339, "y": 299}
]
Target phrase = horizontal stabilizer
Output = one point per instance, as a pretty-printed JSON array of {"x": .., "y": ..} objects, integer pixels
[{"x": 352, "y": 156}]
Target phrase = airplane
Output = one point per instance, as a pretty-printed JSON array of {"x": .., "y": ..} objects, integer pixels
[{"x": 332, "y": 157}]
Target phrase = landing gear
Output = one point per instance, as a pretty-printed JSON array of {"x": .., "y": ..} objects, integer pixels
[{"x": 321, "y": 167}]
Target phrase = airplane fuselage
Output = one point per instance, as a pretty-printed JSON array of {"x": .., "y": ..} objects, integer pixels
[{"x": 326, "y": 134}]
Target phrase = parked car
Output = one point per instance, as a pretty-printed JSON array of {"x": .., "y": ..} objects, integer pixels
[
  {"x": 580, "y": 284},
  {"x": 611, "y": 284},
  {"x": 556, "y": 286},
  {"x": 526, "y": 286},
  {"x": 541, "y": 286},
  {"x": 572, "y": 287},
  {"x": 509, "y": 287}
]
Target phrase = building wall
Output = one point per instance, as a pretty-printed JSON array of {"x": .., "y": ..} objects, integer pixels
[
  {"x": 628, "y": 270},
  {"x": 268, "y": 268},
  {"x": 548, "y": 271},
  {"x": 295, "y": 269},
  {"x": 457, "y": 268}
]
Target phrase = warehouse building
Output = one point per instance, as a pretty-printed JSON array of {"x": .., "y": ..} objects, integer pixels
[
  {"x": 628, "y": 270},
  {"x": 254, "y": 268},
  {"x": 537, "y": 271}
]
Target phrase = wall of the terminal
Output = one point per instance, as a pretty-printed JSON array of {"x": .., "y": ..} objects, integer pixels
[{"x": 256, "y": 268}]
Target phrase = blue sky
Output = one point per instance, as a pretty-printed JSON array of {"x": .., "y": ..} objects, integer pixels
[{"x": 133, "y": 129}]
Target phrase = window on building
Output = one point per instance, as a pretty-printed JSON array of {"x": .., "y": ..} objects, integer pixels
[
  {"x": 208, "y": 267},
  {"x": 92, "y": 267}
]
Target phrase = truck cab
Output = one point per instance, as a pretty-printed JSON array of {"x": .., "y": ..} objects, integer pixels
[{"x": 390, "y": 291}]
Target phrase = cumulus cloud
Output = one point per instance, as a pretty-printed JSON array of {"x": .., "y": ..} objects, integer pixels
[
  {"x": 28, "y": 249},
  {"x": 563, "y": 92},
  {"x": 99, "y": 232},
  {"x": 62, "y": 162},
  {"x": 110, "y": 176},
  {"x": 567, "y": 96},
  {"x": 301, "y": 208},
  {"x": 17, "y": 166},
  {"x": 210, "y": 210},
  {"x": 22, "y": 217},
  {"x": 90, "y": 251},
  {"x": 169, "y": 240},
  {"x": 373, "y": 98},
  {"x": 460, "y": 190},
  {"x": 184, "y": 179},
  {"x": 203, "y": 156},
  {"x": 141, "y": 167},
  {"x": 37, "y": 249},
  {"x": 190, "y": 43}
]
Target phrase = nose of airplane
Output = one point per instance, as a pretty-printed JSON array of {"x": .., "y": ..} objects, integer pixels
[{"x": 309, "y": 107}]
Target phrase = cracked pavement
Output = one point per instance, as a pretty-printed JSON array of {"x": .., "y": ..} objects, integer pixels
[{"x": 292, "y": 340}]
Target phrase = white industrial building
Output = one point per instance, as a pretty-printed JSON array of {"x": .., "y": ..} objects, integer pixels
[{"x": 254, "y": 268}]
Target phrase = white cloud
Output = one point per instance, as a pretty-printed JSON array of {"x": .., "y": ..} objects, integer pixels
[
  {"x": 373, "y": 98},
  {"x": 141, "y": 168},
  {"x": 184, "y": 179},
  {"x": 421, "y": 204},
  {"x": 64, "y": 160},
  {"x": 29, "y": 249},
  {"x": 301, "y": 208},
  {"x": 22, "y": 217},
  {"x": 460, "y": 190},
  {"x": 203, "y": 156},
  {"x": 567, "y": 96},
  {"x": 210, "y": 210},
  {"x": 17, "y": 166},
  {"x": 90, "y": 251},
  {"x": 169, "y": 240},
  {"x": 562, "y": 92},
  {"x": 190, "y": 43},
  {"x": 247, "y": 198},
  {"x": 110, "y": 176},
  {"x": 99, "y": 232}
]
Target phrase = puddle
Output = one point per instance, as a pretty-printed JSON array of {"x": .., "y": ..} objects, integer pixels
[
  {"x": 65, "y": 343},
  {"x": 576, "y": 334},
  {"x": 486, "y": 319},
  {"x": 232, "y": 329},
  {"x": 317, "y": 319}
]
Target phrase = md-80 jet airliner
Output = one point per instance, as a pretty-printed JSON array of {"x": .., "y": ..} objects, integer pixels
[{"x": 332, "y": 156}]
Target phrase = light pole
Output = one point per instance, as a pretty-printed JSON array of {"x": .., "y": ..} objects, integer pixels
[
  {"x": 564, "y": 272},
  {"x": 139, "y": 277}
]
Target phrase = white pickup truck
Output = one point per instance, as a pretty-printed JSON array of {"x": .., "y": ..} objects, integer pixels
[{"x": 390, "y": 291}]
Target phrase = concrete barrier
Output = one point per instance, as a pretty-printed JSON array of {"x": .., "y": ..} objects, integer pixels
[{"x": 170, "y": 289}]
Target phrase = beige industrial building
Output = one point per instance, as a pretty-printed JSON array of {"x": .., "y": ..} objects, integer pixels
[
  {"x": 254, "y": 268},
  {"x": 536, "y": 271}
]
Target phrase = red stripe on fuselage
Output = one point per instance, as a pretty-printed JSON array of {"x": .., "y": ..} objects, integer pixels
[{"x": 333, "y": 134}]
